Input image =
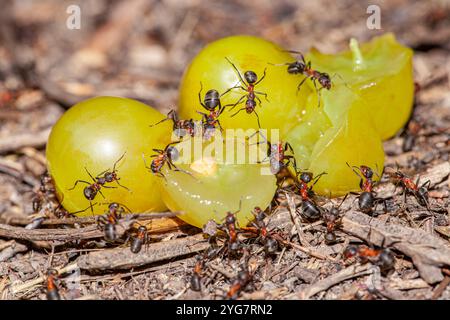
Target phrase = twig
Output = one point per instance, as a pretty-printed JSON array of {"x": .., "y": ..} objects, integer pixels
[
  {"x": 348, "y": 273},
  {"x": 11, "y": 250},
  {"x": 16, "y": 142},
  {"x": 292, "y": 209},
  {"x": 88, "y": 232},
  {"x": 123, "y": 258},
  {"x": 440, "y": 288}
]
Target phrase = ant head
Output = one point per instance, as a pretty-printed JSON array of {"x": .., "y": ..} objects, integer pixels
[
  {"x": 325, "y": 81},
  {"x": 173, "y": 153},
  {"x": 230, "y": 218},
  {"x": 250, "y": 77},
  {"x": 366, "y": 172},
  {"x": 142, "y": 229},
  {"x": 52, "y": 272},
  {"x": 296, "y": 67},
  {"x": 110, "y": 176},
  {"x": 113, "y": 206},
  {"x": 306, "y": 177},
  {"x": 90, "y": 192},
  {"x": 350, "y": 252}
]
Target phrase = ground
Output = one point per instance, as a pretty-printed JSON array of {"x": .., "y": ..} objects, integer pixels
[{"x": 139, "y": 49}]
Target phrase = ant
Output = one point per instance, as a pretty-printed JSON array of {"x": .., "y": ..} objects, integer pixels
[
  {"x": 107, "y": 176},
  {"x": 302, "y": 67},
  {"x": 167, "y": 155},
  {"x": 180, "y": 127},
  {"x": 139, "y": 239},
  {"x": 276, "y": 153},
  {"x": 229, "y": 226},
  {"x": 310, "y": 210},
  {"x": 367, "y": 198},
  {"x": 248, "y": 85},
  {"x": 108, "y": 223},
  {"x": 332, "y": 219},
  {"x": 380, "y": 257},
  {"x": 420, "y": 193},
  {"x": 196, "y": 275},
  {"x": 240, "y": 283},
  {"x": 52, "y": 291},
  {"x": 259, "y": 227}
]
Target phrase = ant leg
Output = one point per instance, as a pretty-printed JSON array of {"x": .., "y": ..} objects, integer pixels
[
  {"x": 426, "y": 184},
  {"x": 233, "y": 87},
  {"x": 302, "y": 58},
  {"x": 109, "y": 187},
  {"x": 121, "y": 185},
  {"x": 239, "y": 74},
  {"x": 241, "y": 99},
  {"x": 145, "y": 163},
  {"x": 101, "y": 193},
  {"x": 316, "y": 179},
  {"x": 76, "y": 182},
  {"x": 165, "y": 119},
  {"x": 301, "y": 83},
  {"x": 200, "y": 96},
  {"x": 318, "y": 93},
  {"x": 238, "y": 112},
  {"x": 353, "y": 168},
  {"x": 279, "y": 64},
  {"x": 263, "y": 94},
  {"x": 93, "y": 179},
  {"x": 264, "y": 75},
  {"x": 257, "y": 118}
]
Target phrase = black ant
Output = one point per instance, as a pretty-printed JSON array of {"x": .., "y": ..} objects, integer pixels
[
  {"x": 277, "y": 154},
  {"x": 382, "y": 258},
  {"x": 310, "y": 210},
  {"x": 197, "y": 274},
  {"x": 168, "y": 155},
  {"x": 419, "y": 192},
  {"x": 180, "y": 127},
  {"x": 248, "y": 85},
  {"x": 210, "y": 103},
  {"x": 52, "y": 291},
  {"x": 139, "y": 239},
  {"x": 108, "y": 223},
  {"x": 302, "y": 67},
  {"x": 100, "y": 180},
  {"x": 367, "y": 198},
  {"x": 332, "y": 219},
  {"x": 240, "y": 283}
]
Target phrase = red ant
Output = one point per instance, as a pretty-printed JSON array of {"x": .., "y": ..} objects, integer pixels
[
  {"x": 248, "y": 85},
  {"x": 240, "y": 283},
  {"x": 139, "y": 239},
  {"x": 380, "y": 257},
  {"x": 100, "y": 180},
  {"x": 367, "y": 198},
  {"x": 332, "y": 219},
  {"x": 303, "y": 67},
  {"x": 196, "y": 275},
  {"x": 276, "y": 153},
  {"x": 168, "y": 155},
  {"x": 108, "y": 223},
  {"x": 420, "y": 193},
  {"x": 310, "y": 210},
  {"x": 180, "y": 127},
  {"x": 52, "y": 291},
  {"x": 210, "y": 103}
]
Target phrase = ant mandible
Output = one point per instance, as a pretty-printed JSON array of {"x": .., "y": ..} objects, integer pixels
[
  {"x": 107, "y": 176},
  {"x": 248, "y": 85}
]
